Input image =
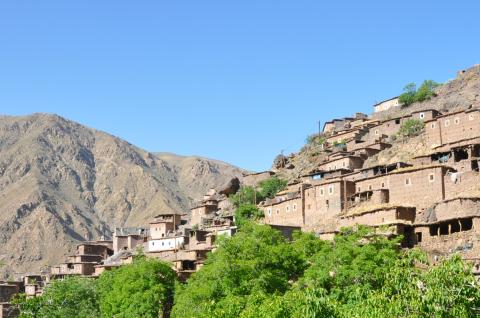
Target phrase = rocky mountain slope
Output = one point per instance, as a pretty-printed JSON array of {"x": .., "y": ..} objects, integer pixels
[{"x": 61, "y": 182}]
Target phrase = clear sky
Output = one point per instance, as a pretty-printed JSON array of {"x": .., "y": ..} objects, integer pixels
[{"x": 233, "y": 80}]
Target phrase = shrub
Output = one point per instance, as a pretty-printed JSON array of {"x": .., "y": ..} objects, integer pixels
[
  {"x": 411, "y": 94},
  {"x": 270, "y": 187},
  {"x": 410, "y": 128}
]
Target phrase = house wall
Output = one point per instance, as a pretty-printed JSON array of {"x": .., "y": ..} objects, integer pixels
[
  {"x": 7, "y": 292},
  {"x": 287, "y": 212},
  {"x": 91, "y": 249},
  {"x": 386, "y": 105},
  {"x": 323, "y": 202},
  {"x": 453, "y": 128},
  {"x": 350, "y": 163},
  {"x": 165, "y": 244},
  {"x": 421, "y": 192},
  {"x": 458, "y": 184},
  {"x": 379, "y": 217},
  {"x": 159, "y": 230},
  {"x": 199, "y": 212}
]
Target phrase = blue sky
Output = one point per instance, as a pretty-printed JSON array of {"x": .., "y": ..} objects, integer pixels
[{"x": 236, "y": 81}]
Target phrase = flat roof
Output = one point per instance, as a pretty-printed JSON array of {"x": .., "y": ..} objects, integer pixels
[{"x": 386, "y": 100}]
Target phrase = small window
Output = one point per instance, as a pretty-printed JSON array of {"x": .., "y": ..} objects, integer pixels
[
  {"x": 376, "y": 132},
  {"x": 321, "y": 191},
  {"x": 288, "y": 208},
  {"x": 330, "y": 190},
  {"x": 343, "y": 164},
  {"x": 397, "y": 121},
  {"x": 422, "y": 115},
  {"x": 270, "y": 211},
  {"x": 456, "y": 121},
  {"x": 327, "y": 203},
  {"x": 431, "y": 177},
  {"x": 383, "y": 185},
  {"x": 470, "y": 117},
  {"x": 277, "y": 211},
  {"x": 433, "y": 126},
  {"x": 447, "y": 122},
  {"x": 370, "y": 187},
  {"x": 408, "y": 181},
  {"x": 419, "y": 237},
  {"x": 359, "y": 189},
  {"x": 294, "y": 207}
]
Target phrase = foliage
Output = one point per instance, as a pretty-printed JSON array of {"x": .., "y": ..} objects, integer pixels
[
  {"x": 247, "y": 212},
  {"x": 339, "y": 144},
  {"x": 72, "y": 297},
  {"x": 142, "y": 289},
  {"x": 258, "y": 261},
  {"x": 360, "y": 274},
  {"x": 246, "y": 195},
  {"x": 315, "y": 139},
  {"x": 270, "y": 187},
  {"x": 411, "y": 94},
  {"x": 410, "y": 128}
]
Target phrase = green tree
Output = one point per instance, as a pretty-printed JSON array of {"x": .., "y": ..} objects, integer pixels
[
  {"x": 270, "y": 187},
  {"x": 142, "y": 289},
  {"x": 410, "y": 128},
  {"x": 71, "y": 297},
  {"x": 257, "y": 261},
  {"x": 247, "y": 212},
  {"x": 246, "y": 195},
  {"x": 411, "y": 94}
]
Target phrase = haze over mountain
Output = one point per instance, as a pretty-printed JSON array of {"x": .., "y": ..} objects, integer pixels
[{"x": 61, "y": 182}]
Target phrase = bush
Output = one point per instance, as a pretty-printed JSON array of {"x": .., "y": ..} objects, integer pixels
[
  {"x": 247, "y": 212},
  {"x": 316, "y": 139},
  {"x": 245, "y": 196},
  {"x": 411, "y": 94},
  {"x": 71, "y": 297},
  {"x": 142, "y": 289},
  {"x": 270, "y": 187},
  {"x": 410, "y": 128}
]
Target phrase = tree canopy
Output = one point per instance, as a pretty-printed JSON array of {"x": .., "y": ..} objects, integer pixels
[{"x": 411, "y": 94}]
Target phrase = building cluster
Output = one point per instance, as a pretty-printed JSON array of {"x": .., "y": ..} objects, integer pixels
[{"x": 433, "y": 200}]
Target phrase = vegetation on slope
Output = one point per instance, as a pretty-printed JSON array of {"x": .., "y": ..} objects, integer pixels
[{"x": 412, "y": 95}]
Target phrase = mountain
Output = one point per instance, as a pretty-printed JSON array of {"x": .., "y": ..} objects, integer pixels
[{"x": 61, "y": 182}]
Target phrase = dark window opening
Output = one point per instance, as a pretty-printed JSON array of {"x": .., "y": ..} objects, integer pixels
[
  {"x": 455, "y": 227},
  {"x": 442, "y": 157},
  {"x": 434, "y": 230},
  {"x": 397, "y": 121},
  {"x": 327, "y": 204},
  {"x": 475, "y": 165},
  {"x": 188, "y": 265},
  {"x": 444, "y": 229},
  {"x": 460, "y": 154},
  {"x": 467, "y": 224},
  {"x": 418, "y": 236},
  {"x": 476, "y": 151},
  {"x": 70, "y": 266}
]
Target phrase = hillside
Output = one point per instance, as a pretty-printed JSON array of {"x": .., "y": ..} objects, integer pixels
[
  {"x": 459, "y": 93},
  {"x": 61, "y": 182}
]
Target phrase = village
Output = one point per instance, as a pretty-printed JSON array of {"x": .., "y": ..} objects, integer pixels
[{"x": 432, "y": 201}]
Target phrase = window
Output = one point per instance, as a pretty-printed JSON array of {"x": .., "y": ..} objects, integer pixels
[
  {"x": 270, "y": 211},
  {"x": 419, "y": 237},
  {"x": 447, "y": 122},
  {"x": 294, "y": 207},
  {"x": 330, "y": 190},
  {"x": 397, "y": 121},
  {"x": 422, "y": 115},
  {"x": 288, "y": 208},
  {"x": 370, "y": 187},
  {"x": 431, "y": 177},
  {"x": 321, "y": 191},
  {"x": 383, "y": 185},
  {"x": 359, "y": 189},
  {"x": 408, "y": 181},
  {"x": 376, "y": 132},
  {"x": 432, "y": 125},
  {"x": 277, "y": 211},
  {"x": 470, "y": 117},
  {"x": 456, "y": 121},
  {"x": 343, "y": 164},
  {"x": 327, "y": 203}
]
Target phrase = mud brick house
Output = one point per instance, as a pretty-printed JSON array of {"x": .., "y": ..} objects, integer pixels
[
  {"x": 347, "y": 162},
  {"x": 286, "y": 208},
  {"x": 452, "y": 128},
  {"x": 128, "y": 238},
  {"x": 326, "y": 199},
  {"x": 451, "y": 226}
]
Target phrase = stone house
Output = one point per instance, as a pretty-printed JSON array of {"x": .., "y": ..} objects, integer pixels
[
  {"x": 285, "y": 209},
  {"x": 347, "y": 162},
  {"x": 129, "y": 238}
]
